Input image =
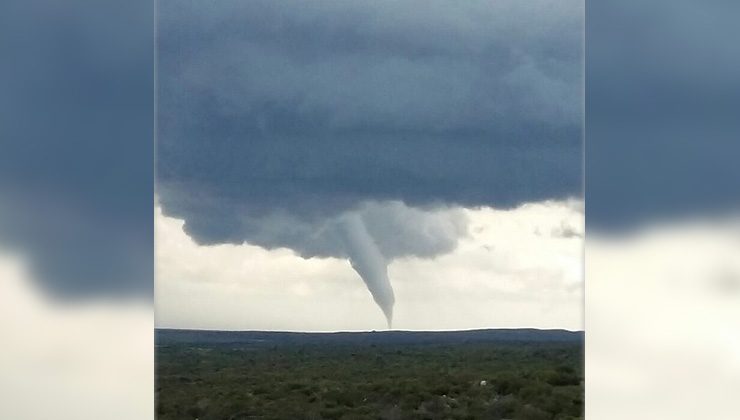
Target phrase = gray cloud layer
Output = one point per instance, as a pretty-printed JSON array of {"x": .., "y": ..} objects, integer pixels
[
  {"x": 308, "y": 109},
  {"x": 76, "y": 144}
]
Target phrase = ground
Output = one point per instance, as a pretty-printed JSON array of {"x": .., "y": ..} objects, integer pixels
[{"x": 264, "y": 378}]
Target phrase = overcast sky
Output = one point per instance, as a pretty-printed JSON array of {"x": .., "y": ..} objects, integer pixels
[{"x": 434, "y": 147}]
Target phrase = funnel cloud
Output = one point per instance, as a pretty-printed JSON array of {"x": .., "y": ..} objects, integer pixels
[{"x": 369, "y": 263}]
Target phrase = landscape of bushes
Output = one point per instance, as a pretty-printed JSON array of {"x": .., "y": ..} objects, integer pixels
[{"x": 507, "y": 380}]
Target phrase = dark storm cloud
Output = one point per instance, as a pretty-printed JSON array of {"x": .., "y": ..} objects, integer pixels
[
  {"x": 662, "y": 106},
  {"x": 308, "y": 109},
  {"x": 76, "y": 144}
]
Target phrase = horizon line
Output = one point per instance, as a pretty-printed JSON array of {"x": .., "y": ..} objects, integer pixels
[{"x": 368, "y": 331}]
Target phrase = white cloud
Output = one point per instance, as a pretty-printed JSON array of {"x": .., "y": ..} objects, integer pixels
[{"x": 510, "y": 271}]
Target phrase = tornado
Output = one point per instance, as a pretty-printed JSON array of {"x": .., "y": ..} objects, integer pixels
[{"x": 367, "y": 260}]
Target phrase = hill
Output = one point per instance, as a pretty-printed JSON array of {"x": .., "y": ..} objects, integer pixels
[{"x": 176, "y": 336}]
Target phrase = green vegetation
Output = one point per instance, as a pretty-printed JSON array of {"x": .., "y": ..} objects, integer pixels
[{"x": 514, "y": 380}]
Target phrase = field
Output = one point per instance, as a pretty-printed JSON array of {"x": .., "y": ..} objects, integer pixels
[{"x": 488, "y": 374}]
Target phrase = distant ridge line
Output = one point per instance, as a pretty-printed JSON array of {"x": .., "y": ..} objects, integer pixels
[{"x": 165, "y": 336}]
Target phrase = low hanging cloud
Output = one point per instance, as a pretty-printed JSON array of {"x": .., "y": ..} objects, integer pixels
[
  {"x": 350, "y": 129},
  {"x": 397, "y": 229}
]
